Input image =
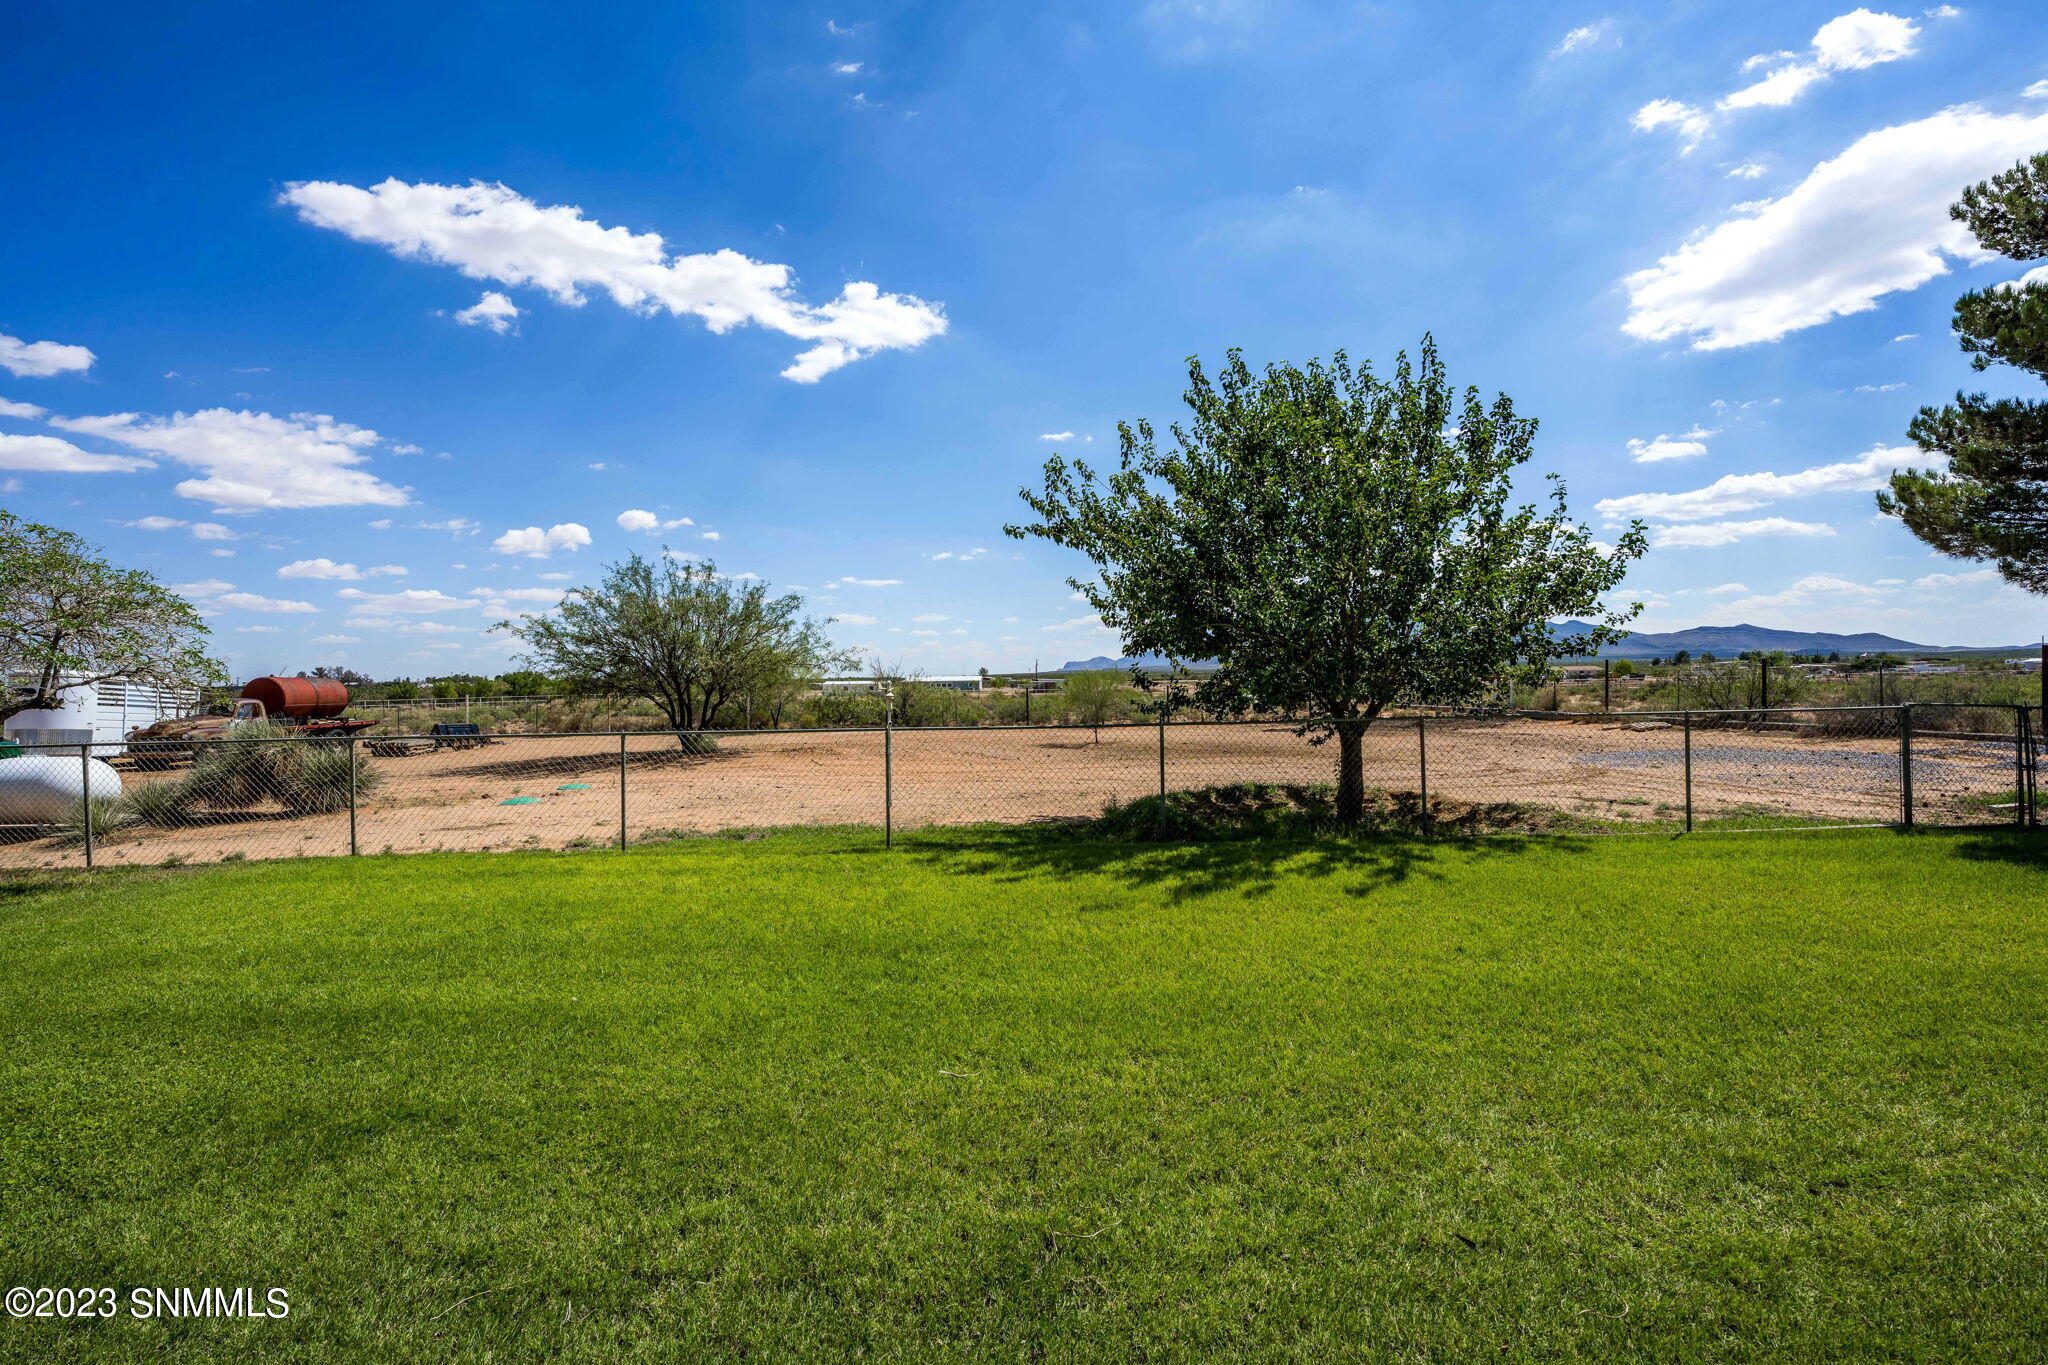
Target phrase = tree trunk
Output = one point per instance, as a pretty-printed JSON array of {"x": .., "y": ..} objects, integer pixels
[{"x": 1351, "y": 771}]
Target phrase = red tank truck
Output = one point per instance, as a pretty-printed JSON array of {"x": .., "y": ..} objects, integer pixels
[{"x": 310, "y": 707}]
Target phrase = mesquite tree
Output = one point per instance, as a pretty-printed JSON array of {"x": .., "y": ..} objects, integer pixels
[
  {"x": 1334, "y": 542},
  {"x": 1991, "y": 503},
  {"x": 688, "y": 639},
  {"x": 69, "y": 619}
]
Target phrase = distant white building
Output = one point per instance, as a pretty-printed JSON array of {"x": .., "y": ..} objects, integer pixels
[{"x": 2030, "y": 664}]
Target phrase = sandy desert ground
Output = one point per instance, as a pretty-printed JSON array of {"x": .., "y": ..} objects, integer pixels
[{"x": 566, "y": 789}]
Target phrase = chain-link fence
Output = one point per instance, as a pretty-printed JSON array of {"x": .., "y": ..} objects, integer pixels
[{"x": 228, "y": 798}]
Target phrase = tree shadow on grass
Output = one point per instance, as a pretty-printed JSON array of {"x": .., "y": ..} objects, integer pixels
[
  {"x": 1192, "y": 869},
  {"x": 2026, "y": 848}
]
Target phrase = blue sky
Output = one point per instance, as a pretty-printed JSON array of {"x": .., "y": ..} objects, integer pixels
[{"x": 372, "y": 324}]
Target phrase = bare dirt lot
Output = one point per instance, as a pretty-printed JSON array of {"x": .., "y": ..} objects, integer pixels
[{"x": 559, "y": 791}]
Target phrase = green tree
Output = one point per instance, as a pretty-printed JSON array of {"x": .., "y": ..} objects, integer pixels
[
  {"x": 683, "y": 636},
  {"x": 1334, "y": 542},
  {"x": 69, "y": 619},
  {"x": 1095, "y": 698},
  {"x": 1991, "y": 503},
  {"x": 524, "y": 682}
]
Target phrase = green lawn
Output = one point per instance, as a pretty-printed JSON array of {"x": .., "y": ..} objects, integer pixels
[{"x": 1011, "y": 1096}]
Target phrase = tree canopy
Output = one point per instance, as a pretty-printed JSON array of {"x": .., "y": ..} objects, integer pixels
[
  {"x": 685, "y": 637},
  {"x": 1335, "y": 541},
  {"x": 1991, "y": 503},
  {"x": 69, "y": 619}
]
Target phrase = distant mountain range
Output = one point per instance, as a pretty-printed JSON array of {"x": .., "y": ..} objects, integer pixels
[
  {"x": 1728, "y": 641},
  {"x": 1721, "y": 641}
]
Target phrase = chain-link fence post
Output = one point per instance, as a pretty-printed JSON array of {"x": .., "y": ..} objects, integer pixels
[
  {"x": 622, "y": 791},
  {"x": 889, "y": 770},
  {"x": 85, "y": 795},
  {"x": 1685, "y": 719},
  {"x": 1422, "y": 770},
  {"x": 2034, "y": 770},
  {"x": 2019, "y": 767},
  {"x": 1906, "y": 763},
  {"x": 354, "y": 759},
  {"x": 1159, "y": 826}
]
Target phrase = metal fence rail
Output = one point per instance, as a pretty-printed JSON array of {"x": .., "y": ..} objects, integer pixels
[{"x": 1709, "y": 771}]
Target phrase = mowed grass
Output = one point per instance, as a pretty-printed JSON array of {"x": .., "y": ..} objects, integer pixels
[{"x": 1012, "y": 1096}]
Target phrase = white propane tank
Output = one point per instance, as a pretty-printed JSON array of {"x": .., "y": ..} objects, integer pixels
[{"x": 44, "y": 789}]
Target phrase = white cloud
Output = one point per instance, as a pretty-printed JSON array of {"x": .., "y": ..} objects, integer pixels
[
  {"x": 337, "y": 640},
  {"x": 872, "y": 582},
  {"x": 963, "y": 556},
  {"x": 854, "y": 618},
  {"x": 1906, "y": 336},
  {"x": 1848, "y": 42},
  {"x": 1728, "y": 590},
  {"x": 634, "y": 519},
  {"x": 927, "y": 618},
  {"x": 2037, "y": 91},
  {"x": 256, "y": 630},
  {"x": 327, "y": 568},
  {"x": 494, "y": 311},
  {"x": 1935, "y": 581},
  {"x": 254, "y": 460},
  {"x": 10, "y": 408},
  {"x": 1662, "y": 448},
  {"x": 250, "y": 601},
  {"x": 319, "y": 568},
  {"x": 211, "y": 530},
  {"x": 1871, "y": 221},
  {"x": 554, "y": 577},
  {"x": 1595, "y": 34},
  {"x": 847, "y": 68},
  {"x": 454, "y": 526},
  {"x": 1712, "y": 533},
  {"x": 488, "y": 232},
  {"x": 155, "y": 523},
  {"x": 1692, "y": 124},
  {"x": 41, "y": 359},
  {"x": 1749, "y": 170},
  {"x": 1745, "y": 492},
  {"x": 1078, "y": 623},
  {"x": 712, "y": 535},
  {"x": 408, "y": 601},
  {"x": 53, "y": 455},
  {"x": 1881, "y": 388},
  {"x": 1835, "y": 583},
  {"x": 1057, "y": 436},
  {"x": 533, "y": 541}
]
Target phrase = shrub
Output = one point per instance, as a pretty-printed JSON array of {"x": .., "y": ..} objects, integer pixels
[
  {"x": 261, "y": 764},
  {"x": 163, "y": 804}
]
